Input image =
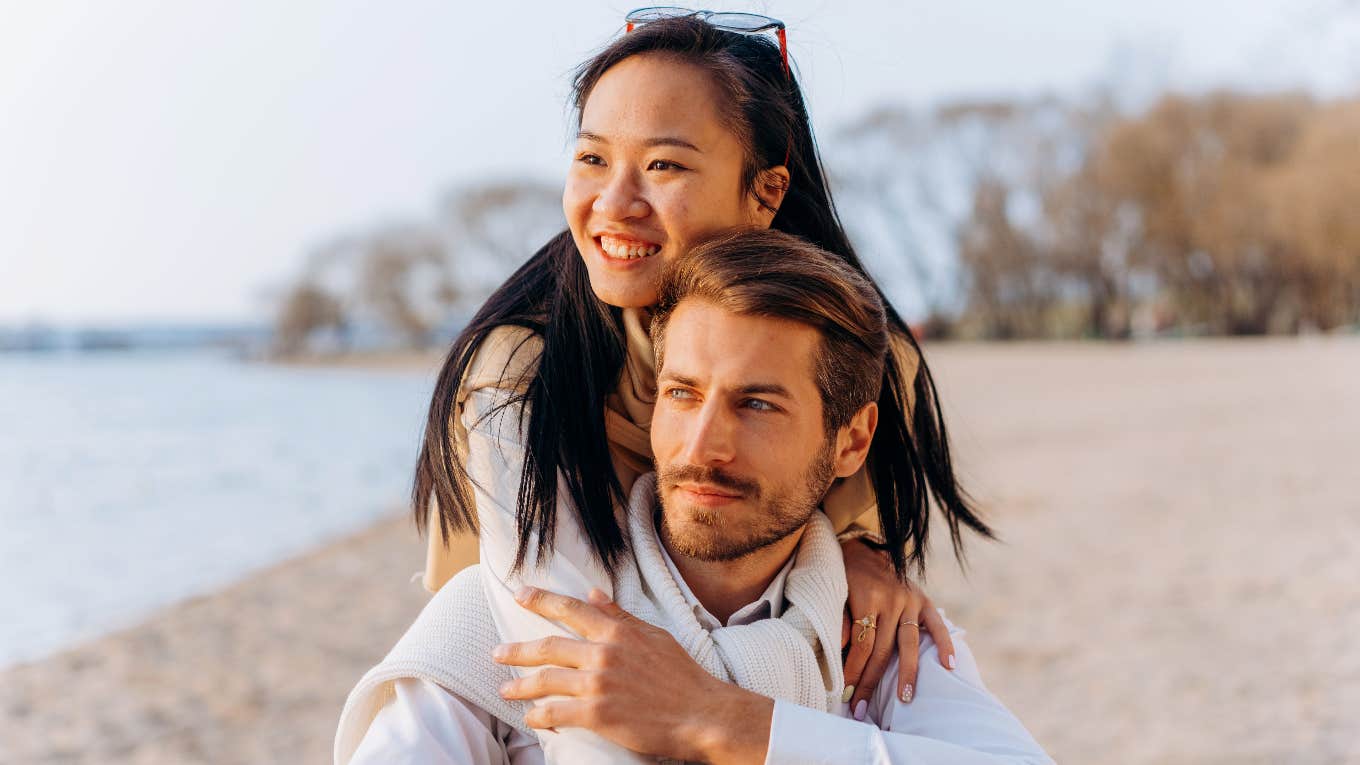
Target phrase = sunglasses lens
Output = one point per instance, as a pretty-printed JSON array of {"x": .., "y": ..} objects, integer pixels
[
  {"x": 645, "y": 15},
  {"x": 744, "y": 22}
]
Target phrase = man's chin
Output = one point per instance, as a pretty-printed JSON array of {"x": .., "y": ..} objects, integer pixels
[
  {"x": 705, "y": 534},
  {"x": 692, "y": 530}
]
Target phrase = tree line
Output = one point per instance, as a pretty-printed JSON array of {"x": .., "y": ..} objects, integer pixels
[
  {"x": 1219, "y": 213},
  {"x": 1224, "y": 213}
]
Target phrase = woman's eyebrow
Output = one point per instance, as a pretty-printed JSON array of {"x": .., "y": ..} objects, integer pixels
[{"x": 586, "y": 135}]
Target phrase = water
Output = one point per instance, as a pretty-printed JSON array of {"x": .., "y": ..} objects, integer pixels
[{"x": 131, "y": 481}]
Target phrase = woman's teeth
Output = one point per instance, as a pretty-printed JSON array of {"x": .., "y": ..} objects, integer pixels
[{"x": 616, "y": 248}]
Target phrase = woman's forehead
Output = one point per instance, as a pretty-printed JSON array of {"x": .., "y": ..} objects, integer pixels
[{"x": 645, "y": 98}]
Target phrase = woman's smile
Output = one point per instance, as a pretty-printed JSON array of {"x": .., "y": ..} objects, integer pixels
[{"x": 619, "y": 247}]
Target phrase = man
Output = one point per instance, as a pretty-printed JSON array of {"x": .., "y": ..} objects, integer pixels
[{"x": 723, "y": 640}]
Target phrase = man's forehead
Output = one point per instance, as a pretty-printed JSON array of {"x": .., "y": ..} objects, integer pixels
[{"x": 709, "y": 345}]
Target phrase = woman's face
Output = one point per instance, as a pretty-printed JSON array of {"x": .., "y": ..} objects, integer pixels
[{"x": 654, "y": 172}]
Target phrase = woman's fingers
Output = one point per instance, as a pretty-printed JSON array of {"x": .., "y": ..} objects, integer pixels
[
  {"x": 884, "y": 639},
  {"x": 939, "y": 632},
  {"x": 908, "y": 653},
  {"x": 861, "y": 646}
]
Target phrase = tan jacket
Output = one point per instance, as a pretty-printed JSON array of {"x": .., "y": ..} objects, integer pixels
[{"x": 506, "y": 360}]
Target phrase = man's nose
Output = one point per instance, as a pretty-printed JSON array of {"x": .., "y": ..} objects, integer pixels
[
  {"x": 710, "y": 439},
  {"x": 621, "y": 198}
]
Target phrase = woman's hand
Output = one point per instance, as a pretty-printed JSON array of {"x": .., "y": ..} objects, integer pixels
[{"x": 876, "y": 591}]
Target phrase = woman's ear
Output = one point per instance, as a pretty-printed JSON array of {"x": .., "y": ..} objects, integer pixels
[{"x": 771, "y": 186}]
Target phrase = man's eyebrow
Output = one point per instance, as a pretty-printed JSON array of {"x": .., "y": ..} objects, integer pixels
[
  {"x": 688, "y": 382},
  {"x": 768, "y": 389},
  {"x": 665, "y": 140},
  {"x": 752, "y": 389}
]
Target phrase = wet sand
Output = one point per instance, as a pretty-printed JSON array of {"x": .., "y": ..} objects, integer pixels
[{"x": 1179, "y": 580}]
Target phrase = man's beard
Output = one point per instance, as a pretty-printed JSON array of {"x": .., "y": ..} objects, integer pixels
[{"x": 710, "y": 537}]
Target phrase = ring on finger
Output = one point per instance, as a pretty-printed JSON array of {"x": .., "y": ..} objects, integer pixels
[
  {"x": 866, "y": 623},
  {"x": 910, "y": 623}
]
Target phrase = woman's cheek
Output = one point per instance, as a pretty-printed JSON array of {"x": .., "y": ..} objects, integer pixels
[
  {"x": 678, "y": 223},
  {"x": 576, "y": 200}
]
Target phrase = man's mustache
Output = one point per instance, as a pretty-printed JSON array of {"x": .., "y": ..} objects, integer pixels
[{"x": 674, "y": 474}]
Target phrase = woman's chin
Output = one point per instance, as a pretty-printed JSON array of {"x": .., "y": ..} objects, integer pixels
[{"x": 625, "y": 293}]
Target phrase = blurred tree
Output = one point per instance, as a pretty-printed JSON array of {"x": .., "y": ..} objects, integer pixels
[
  {"x": 1196, "y": 171},
  {"x": 507, "y": 220},
  {"x": 909, "y": 181},
  {"x": 404, "y": 279},
  {"x": 305, "y": 309},
  {"x": 1312, "y": 203},
  {"x": 491, "y": 228},
  {"x": 413, "y": 279},
  {"x": 1010, "y": 288}
]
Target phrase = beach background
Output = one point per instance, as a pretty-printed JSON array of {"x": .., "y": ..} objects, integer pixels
[{"x": 224, "y": 295}]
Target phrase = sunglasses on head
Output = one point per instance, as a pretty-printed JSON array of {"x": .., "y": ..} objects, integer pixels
[{"x": 744, "y": 23}]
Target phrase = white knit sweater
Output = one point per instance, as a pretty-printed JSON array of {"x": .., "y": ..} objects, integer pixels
[{"x": 795, "y": 657}]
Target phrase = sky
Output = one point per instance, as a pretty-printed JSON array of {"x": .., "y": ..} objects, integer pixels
[{"x": 175, "y": 161}]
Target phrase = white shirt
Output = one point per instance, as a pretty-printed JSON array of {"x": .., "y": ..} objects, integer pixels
[{"x": 953, "y": 718}]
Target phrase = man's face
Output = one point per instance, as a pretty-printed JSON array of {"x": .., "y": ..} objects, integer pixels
[{"x": 742, "y": 456}]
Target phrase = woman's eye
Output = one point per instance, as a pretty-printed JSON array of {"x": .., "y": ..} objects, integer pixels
[
  {"x": 590, "y": 159},
  {"x": 661, "y": 164}
]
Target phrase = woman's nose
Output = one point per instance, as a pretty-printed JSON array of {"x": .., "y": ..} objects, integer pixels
[{"x": 620, "y": 199}]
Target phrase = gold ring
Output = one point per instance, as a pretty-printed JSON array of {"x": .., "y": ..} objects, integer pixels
[
  {"x": 911, "y": 624},
  {"x": 866, "y": 623}
]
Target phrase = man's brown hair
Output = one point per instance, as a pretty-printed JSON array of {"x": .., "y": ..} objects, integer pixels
[{"x": 771, "y": 273}]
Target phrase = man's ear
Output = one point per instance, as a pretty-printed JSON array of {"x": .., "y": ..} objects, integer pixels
[
  {"x": 853, "y": 439},
  {"x": 771, "y": 186}
]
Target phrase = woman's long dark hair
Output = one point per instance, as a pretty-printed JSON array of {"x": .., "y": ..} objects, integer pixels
[{"x": 583, "y": 346}]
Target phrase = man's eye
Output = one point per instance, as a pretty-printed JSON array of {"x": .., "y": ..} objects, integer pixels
[
  {"x": 759, "y": 405},
  {"x": 679, "y": 394}
]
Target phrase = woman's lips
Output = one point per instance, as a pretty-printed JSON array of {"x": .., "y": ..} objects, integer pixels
[{"x": 620, "y": 248}]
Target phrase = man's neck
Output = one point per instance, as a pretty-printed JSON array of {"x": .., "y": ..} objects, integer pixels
[{"x": 724, "y": 587}]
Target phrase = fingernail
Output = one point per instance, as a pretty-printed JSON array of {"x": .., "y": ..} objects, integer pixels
[
  {"x": 522, "y": 594},
  {"x": 952, "y": 662},
  {"x": 499, "y": 652},
  {"x": 861, "y": 708},
  {"x": 849, "y": 691},
  {"x": 906, "y": 694}
]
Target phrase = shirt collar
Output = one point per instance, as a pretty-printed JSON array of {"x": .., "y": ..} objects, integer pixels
[{"x": 769, "y": 605}]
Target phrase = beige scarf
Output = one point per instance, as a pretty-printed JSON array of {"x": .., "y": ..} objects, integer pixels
[
  {"x": 795, "y": 657},
  {"x": 509, "y": 354}
]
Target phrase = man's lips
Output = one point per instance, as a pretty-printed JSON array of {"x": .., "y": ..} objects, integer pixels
[
  {"x": 703, "y": 488},
  {"x": 702, "y": 494}
]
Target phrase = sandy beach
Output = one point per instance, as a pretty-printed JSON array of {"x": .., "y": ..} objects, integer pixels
[{"x": 1178, "y": 581}]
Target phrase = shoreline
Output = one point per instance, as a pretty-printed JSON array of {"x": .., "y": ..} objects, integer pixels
[
  {"x": 255, "y": 672},
  {"x": 430, "y": 360}
]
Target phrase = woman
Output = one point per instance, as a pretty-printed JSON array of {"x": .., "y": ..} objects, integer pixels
[{"x": 686, "y": 130}]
